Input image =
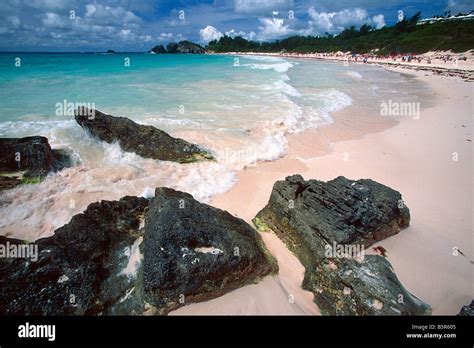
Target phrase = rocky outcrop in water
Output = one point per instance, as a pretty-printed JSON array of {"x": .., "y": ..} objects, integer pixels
[
  {"x": 146, "y": 141},
  {"x": 158, "y": 49},
  {"x": 104, "y": 261},
  {"x": 194, "y": 252},
  {"x": 328, "y": 225},
  {"x": 182, "y": 47},
  {"x": 185, "y": 47},
  {"x": 32, "y": 156}
]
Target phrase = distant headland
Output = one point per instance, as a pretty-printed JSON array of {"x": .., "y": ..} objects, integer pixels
[{"x": 180, "y": 47}]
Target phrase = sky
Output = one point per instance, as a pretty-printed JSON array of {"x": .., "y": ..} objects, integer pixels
[{"x": 138, "y": 25}]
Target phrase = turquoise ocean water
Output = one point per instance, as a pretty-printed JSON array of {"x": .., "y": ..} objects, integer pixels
[{"x": 241, "y": 108}]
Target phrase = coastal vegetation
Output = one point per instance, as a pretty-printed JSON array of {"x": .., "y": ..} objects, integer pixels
[{"x": 406, "y": 36}]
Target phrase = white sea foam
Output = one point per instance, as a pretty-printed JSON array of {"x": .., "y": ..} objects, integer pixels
[
  {"x": 354, "y": 74},
  {"x": 302, "y": 117},
  {"x": 106, "y": 173},
  {"x": 228, "y": 107},
  {"x": 278, "y": 67},
  {"x": 284, "y": 87},
  {"x": 269, "y": 139},
  {"x": 26, "y": 128},
  {"x": 263, "y": 58},
  {"x": 275, "y": 144},
  {"x": 148, "y": 192},
  {"x": 167, "y": 121},
  {"x": 33, "y": 211},
  {"x": 335, "y": 100},
  {"x": 278, "y": 64}
]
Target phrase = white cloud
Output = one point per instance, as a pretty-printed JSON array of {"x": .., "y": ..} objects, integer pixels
[
  {"x": 319, "y": 24},
  {"x": 349, "y": 17},
  {"x": 108, "y": 14},
  {"x": 4, "y": 30},
  {"x": 378, "y": 21},
  {"x": 335, "y": 22},
  {"x": 56, "y": 35},
  {"x": 261, "y": 6},
  {"x": 248, "y": 36},
  {"x": 209, "y": 33},
  {"x": 126, "y": 34},
  {"x": 14, "y": 20},
  {"x": 456, "y": 6},
  {"x": 90, "y": 9},
  {"x": 146, "y": 38},
  {"x": 48, "y": 5},
  {"x": 170, "y": 37},
  {"x": 273, "y": 28},
  {"x": 116, "y": 23},
  {"x": 52, "y": 20}
]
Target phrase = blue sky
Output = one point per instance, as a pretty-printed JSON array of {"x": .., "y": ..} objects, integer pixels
[{"x": 137, "y": 25}]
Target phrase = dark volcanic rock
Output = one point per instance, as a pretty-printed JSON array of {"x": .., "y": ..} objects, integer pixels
[
  {"x": 467, "y": 310},
  {"x": 7, "y": 183},
  {"x": 189, "y": 47},
  {"x": 314, "y": 217},
  {"x": 87, "y": 267},
  {"x": 361, "y": 287},
  {"x": 146, "y": 141},
  {"x": 101, "y": 263},
  {"x": 31, "y": 154},
  {"x": 158, "y": 49},
  {"x": 172, "y": 47},
  {"x": 341, "y": 210},
  {"x": 194, "y": 252}
]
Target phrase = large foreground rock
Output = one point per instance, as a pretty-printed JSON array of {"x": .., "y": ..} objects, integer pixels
[
  {"x": 32, "y": 155},
  {"x": 146, "y": 141},
  {"x": 87, "y": 267},
  {"x": 103, "y": 261},
  {"x": 326, "y": 225},
  {"x": 195, "y": 252}
]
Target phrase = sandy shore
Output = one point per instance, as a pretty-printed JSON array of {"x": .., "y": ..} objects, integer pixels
[
  {"x": 431, "y": 61},
  {"x": 429, "y": 160}
]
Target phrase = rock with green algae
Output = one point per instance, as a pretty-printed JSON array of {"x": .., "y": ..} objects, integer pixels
[
  {"x": 28, "y": 160},
  {"x": 313, "y": 216}
]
